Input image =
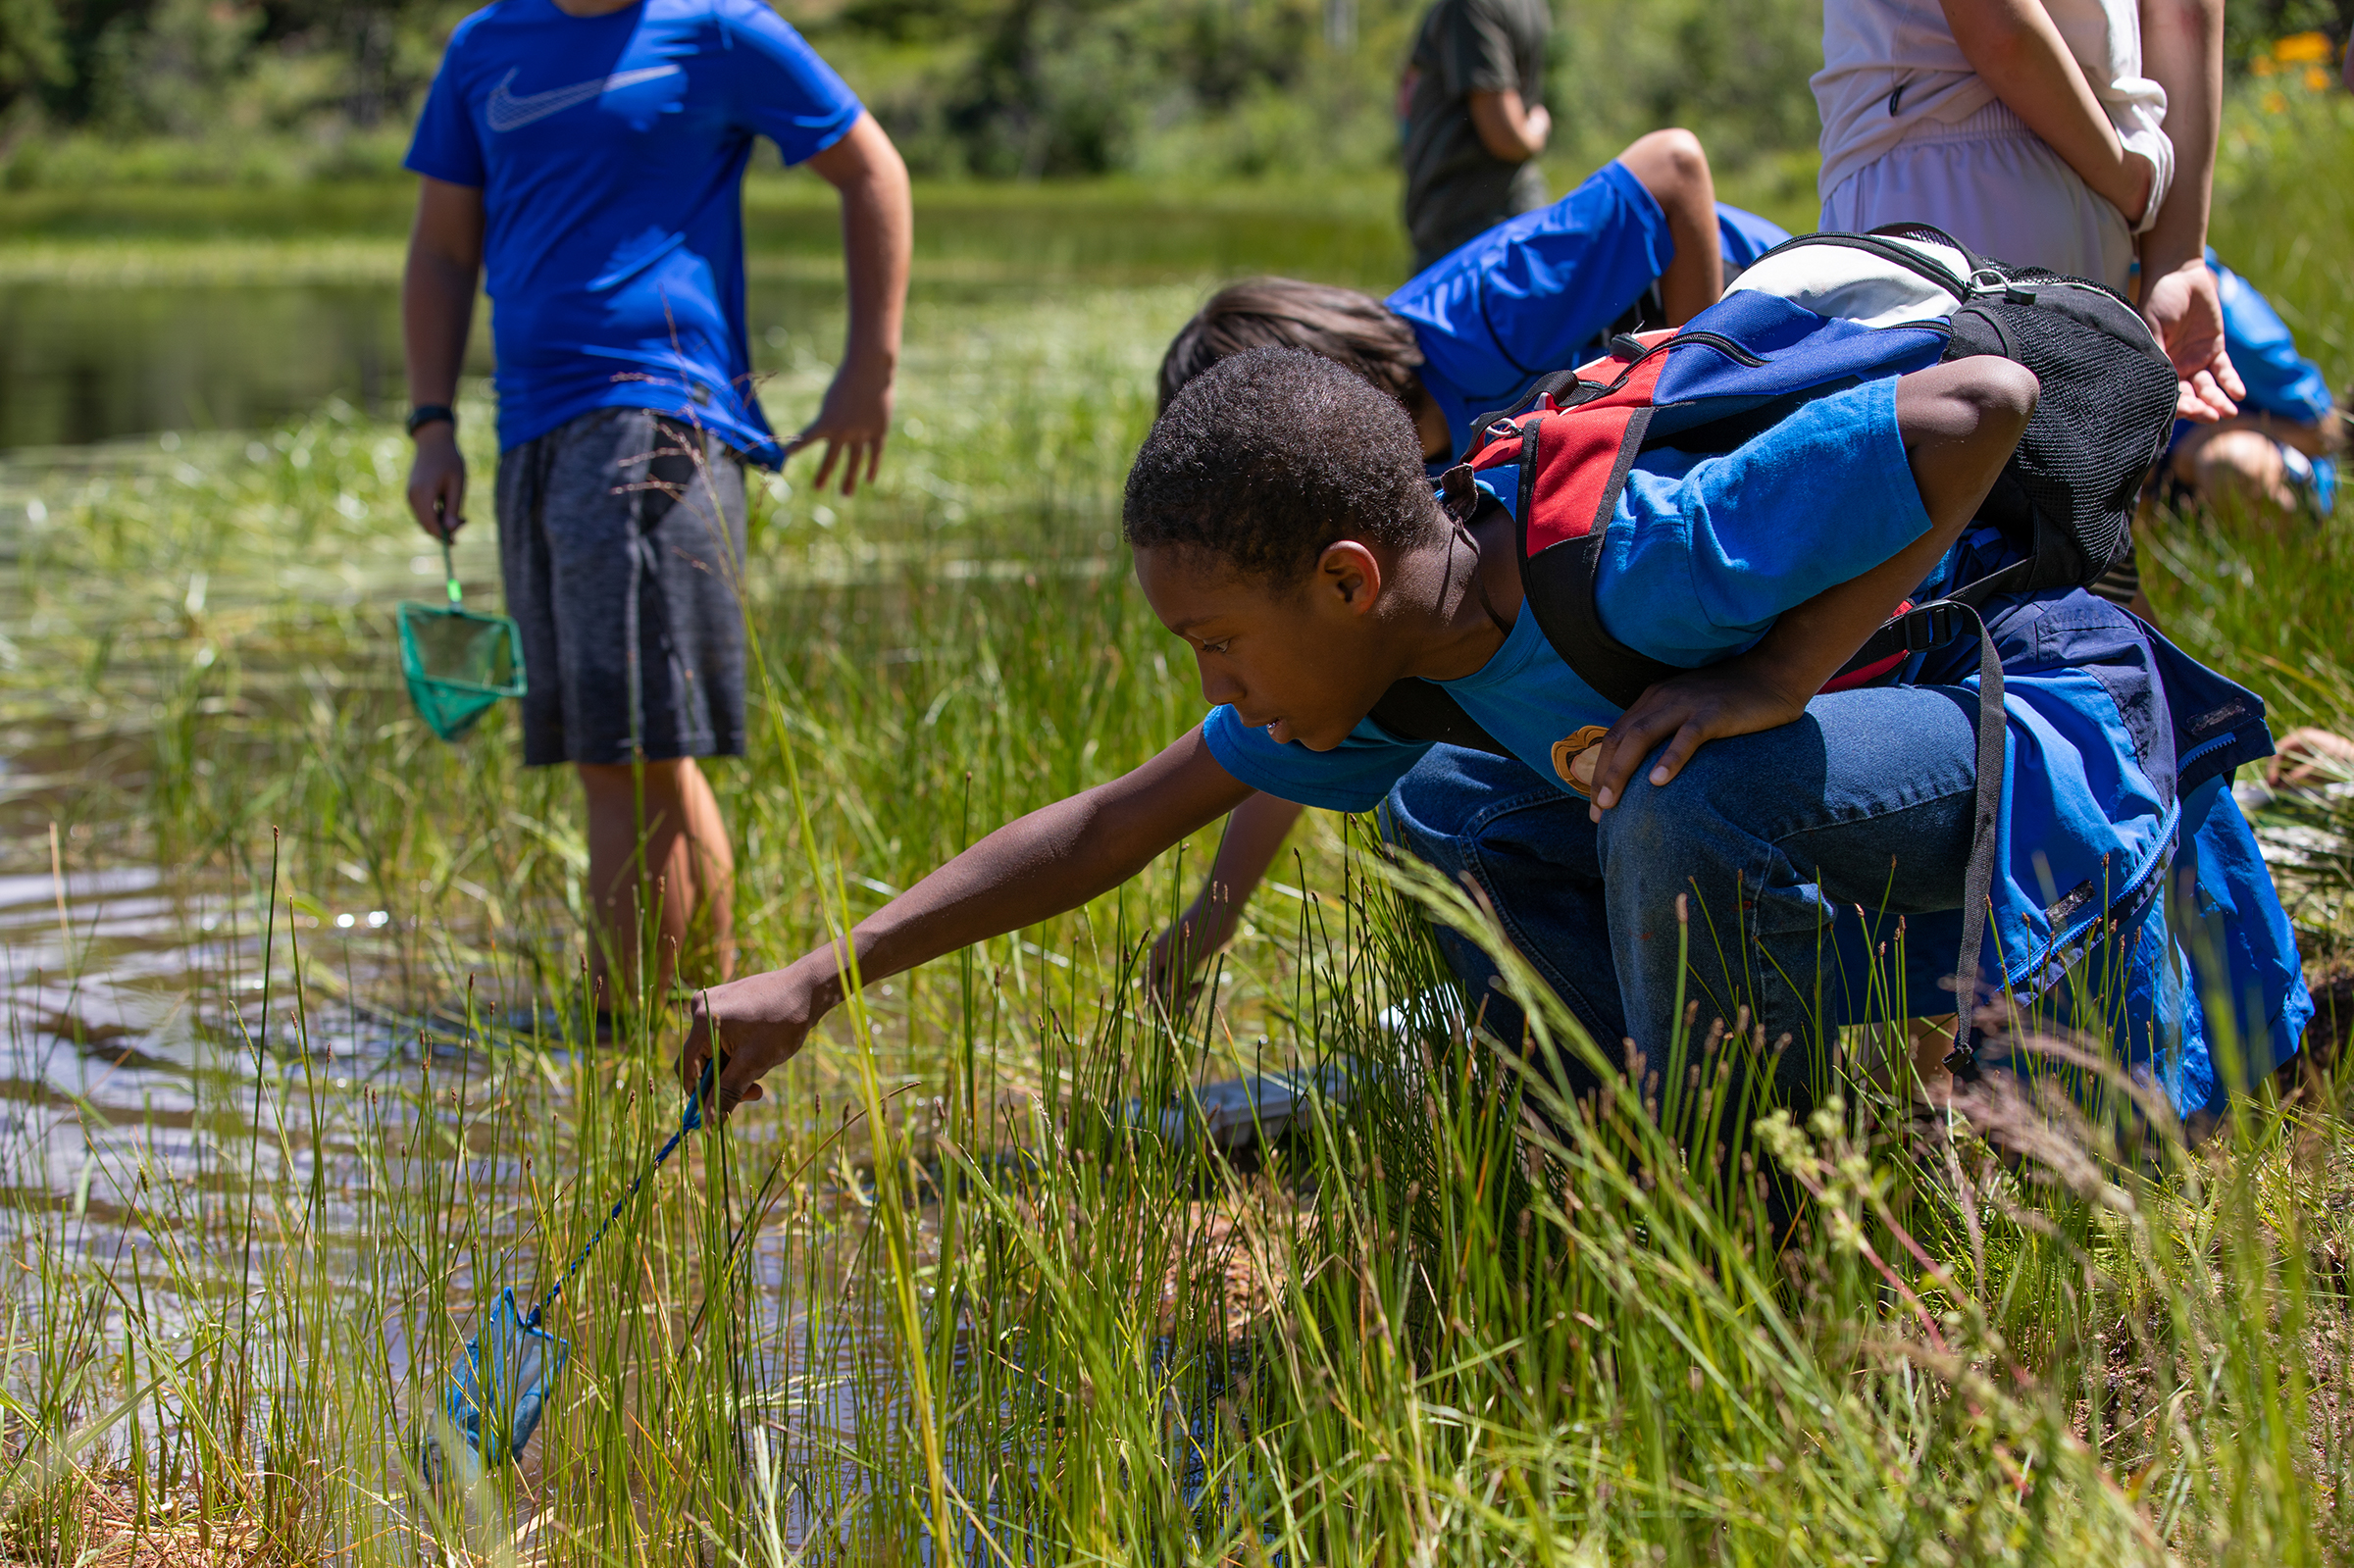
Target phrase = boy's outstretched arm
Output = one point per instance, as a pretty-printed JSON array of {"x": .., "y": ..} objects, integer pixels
[
  {"x": 1959, "y": 423},
  {"x": 1055, "y": 858}
]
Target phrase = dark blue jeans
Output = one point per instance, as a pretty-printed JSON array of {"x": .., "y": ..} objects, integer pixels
[{"x": 1803, "y": 852}]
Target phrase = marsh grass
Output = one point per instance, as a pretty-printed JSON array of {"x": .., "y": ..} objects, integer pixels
[{"x": 944, "y": 1297}]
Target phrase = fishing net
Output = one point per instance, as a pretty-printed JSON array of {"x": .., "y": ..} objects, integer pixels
[
  {"x": 458, "y": 663},
  {"x": 500, "y": 1389}
]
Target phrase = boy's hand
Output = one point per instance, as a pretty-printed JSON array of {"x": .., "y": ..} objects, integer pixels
[
  {"x": 2185, "y": 311},
  {"x": 755, "y": 1023},
  {"x": 1737, "y": 697},
  {"x": 437, "y": 482},
  {"x": 1173, "y": 968},
  {"x": 852, "y": 422}
]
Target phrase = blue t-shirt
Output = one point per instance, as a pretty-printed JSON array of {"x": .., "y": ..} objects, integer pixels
[
  {"x": 610, "y": 153},
  {"x": 1701, "y": 555},
  {"x": 1745, "y": 237},
  {"x": 1539, "y": 292}
]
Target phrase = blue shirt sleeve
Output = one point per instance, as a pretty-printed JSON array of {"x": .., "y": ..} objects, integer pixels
[
  {"x": 780, "y": 88},
  {"x": 446, "y": 146},
  {"x": 1745, "y": 237},
  {"x": 1529, "y": 294},
  {"x": 2282, "y": 381},
  {"x": 1704, "y": 553},
  {"x": 1352, "y": 776}
]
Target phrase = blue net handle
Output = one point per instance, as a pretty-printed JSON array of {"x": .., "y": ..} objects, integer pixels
[{"x": 689, "y": 1120}]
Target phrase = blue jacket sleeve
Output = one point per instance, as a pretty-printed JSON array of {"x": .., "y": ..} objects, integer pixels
[{"x": 2282, "y": 381}]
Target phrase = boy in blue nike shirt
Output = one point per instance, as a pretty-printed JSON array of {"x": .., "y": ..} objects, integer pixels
[
  {"x": 591, "y": 154},
  {"x": 1284, "y": 527}
]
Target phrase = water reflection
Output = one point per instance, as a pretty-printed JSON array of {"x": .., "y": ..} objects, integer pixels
[{"x": 81, "y": 364}]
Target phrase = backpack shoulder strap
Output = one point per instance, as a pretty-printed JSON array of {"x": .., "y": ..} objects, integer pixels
[
  {"x": 1421, "y": 710},
  {"x": 1572, "y": 464}
]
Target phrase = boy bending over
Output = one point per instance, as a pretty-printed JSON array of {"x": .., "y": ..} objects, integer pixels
[
  {"x": 1283, "y": 526},
  {"x": 1641, "y": 242}
]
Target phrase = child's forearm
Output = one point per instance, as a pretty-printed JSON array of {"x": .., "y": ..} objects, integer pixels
[
  {"x": 2182, "y": 51},
  {"x": 437, "y": 285},
  {"x": 1054, "y": 859},
  {"x": 1674, "y": 168},
  {"x": 2016, "y": 49},
  {"x": 1254, "y": 838},
  {"x": 1959, "y": 423}
]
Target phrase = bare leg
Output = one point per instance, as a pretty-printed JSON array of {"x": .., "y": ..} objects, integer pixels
[
  {"x": 714, "y": 869},
  {"x": 1675, "y": 169},
  {"x": 659, "y": 839}
]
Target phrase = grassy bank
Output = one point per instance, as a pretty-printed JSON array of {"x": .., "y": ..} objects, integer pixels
[{"x": 279, "y": 1128}]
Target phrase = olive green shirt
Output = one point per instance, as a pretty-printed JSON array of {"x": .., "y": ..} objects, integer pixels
[{"x": 1454, "y": 187}]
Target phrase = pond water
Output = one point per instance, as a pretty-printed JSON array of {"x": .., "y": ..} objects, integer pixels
[
  {"x": 200, "y": 542},
  {"x": 82, "y": 363}
]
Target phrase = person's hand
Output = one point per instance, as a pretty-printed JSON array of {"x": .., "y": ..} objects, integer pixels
[
  {"x": 437, "y": 482},
  {"x": 2186, "y": 313},
  {"x": 1539, "y": 126},
  {"x": 755, "y": 1023},
  {"x": 852, "y": 422},
  {"x": 1173, "y": 968},
  {"x": 1687, "y": 711}
]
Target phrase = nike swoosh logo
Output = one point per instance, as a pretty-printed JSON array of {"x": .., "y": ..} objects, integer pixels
[{"x": 507, "y": 111}]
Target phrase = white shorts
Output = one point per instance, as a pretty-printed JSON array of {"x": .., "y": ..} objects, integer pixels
[{"x": 1996, "y": 187}]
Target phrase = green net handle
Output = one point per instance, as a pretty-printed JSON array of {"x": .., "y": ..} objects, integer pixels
[{"x": 449, "y": 568}]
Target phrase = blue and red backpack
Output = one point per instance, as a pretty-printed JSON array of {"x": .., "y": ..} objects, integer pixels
[{"x": 1814, "y": 315}]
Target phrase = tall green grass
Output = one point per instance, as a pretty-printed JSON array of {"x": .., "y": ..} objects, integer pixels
[{"x": 944, "y": 1295}]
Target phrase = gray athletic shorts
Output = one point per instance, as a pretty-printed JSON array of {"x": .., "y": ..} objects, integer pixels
[{"x": 621, "y": 539}]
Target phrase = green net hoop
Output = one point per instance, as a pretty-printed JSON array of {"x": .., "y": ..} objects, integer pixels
[{"x": 458, "y": 663}]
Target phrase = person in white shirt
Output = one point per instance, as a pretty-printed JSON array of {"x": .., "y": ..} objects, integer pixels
[{"x": 2074, "y": 134}]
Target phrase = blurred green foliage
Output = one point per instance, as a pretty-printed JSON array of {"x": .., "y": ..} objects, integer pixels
[{"x": 281, "y": 91}]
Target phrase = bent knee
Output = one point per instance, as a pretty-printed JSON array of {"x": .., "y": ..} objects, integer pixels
[
  {"x": 1669, "y": 162},
  {"x": 1984, "y": 398},
  {"x": 2235, "y": 461}
]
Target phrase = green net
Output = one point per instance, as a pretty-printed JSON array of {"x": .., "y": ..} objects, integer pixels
[{"x": 458, "y": 663}]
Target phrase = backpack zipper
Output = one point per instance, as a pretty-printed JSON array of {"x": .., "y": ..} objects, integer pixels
[
  {"x": 1724, "y": 346},
  {"x": 1888, "y": 250}
]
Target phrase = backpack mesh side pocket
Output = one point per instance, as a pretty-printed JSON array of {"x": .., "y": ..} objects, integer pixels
[{"x": 2106, "y": 407}]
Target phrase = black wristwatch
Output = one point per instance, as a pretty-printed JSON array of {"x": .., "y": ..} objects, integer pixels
[{"x": 425, "y": 414}]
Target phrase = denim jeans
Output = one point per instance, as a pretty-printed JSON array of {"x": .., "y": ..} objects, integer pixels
[{"x": 1803, "y": 850}]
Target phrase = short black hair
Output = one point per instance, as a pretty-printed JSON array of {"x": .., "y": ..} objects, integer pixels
[{"x": 1271, "y": 455}]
